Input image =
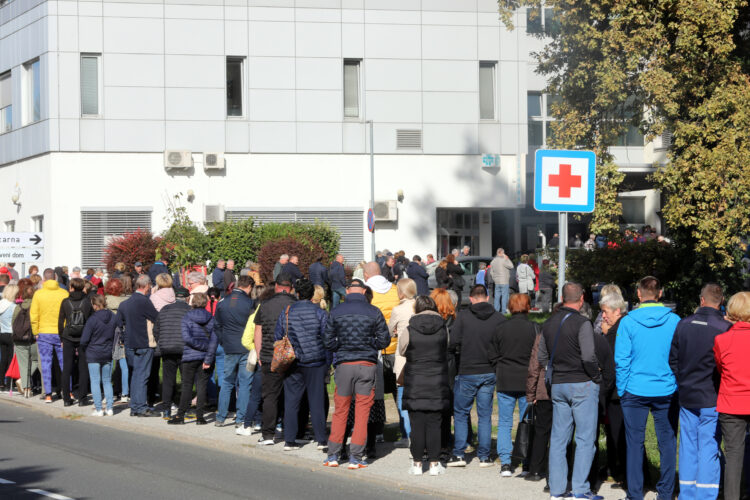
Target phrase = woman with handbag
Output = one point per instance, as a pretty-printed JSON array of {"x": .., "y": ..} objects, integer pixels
[
  {"x": 426, "y": 384},
  {"x": 536, "y": 394}
]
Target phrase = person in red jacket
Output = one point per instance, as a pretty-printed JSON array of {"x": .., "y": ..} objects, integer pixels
[{"x": 731, "y": 350}]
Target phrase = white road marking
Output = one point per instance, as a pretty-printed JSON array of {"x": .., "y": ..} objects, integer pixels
[
  {"x": 50, "y": 495},
  {"x": 5, "y": 481}
]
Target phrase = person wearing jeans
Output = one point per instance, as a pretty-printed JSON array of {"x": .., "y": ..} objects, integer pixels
[
  {"x": 567, "y": 349},
  {"x": 502, "y": 293},
  {"x": 500, "y": 273},
  {"x": 45, "y": 315},
  {"x": 470, "y": 341},
  {"x": 97, "y": 340}
]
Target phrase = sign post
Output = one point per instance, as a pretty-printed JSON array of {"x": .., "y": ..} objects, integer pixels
[
  {"x": 21, "y": 247},
  {"x": 564, "y": 181}
]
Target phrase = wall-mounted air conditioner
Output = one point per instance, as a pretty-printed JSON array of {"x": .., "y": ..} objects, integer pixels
[
  {"x": 213, "y": 161},
  {"x": 178, "y": 160},
  {"x": 386, "y": 210}
]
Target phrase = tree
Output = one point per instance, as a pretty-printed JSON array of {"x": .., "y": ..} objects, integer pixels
[
  {"x": 184, "y": 243},
  {"x": 677, "y": 65}
]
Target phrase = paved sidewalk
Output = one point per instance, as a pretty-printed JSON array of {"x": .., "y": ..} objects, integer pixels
[{"x": 390, "y": 466}]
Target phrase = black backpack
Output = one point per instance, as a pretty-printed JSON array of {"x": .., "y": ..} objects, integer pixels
[
  {"x": 22, "y": 333},
  {"x": 74, "y": 329}
]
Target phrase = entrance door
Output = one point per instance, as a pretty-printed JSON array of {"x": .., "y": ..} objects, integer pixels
[{"x": 457, "y": 228}]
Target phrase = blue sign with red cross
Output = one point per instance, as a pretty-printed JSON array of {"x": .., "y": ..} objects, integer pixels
[{"x": 564, "y": 181}]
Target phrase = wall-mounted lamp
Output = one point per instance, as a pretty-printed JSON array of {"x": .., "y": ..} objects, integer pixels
[
  {"x": 190, "y": 195},
  {"x": 16, "y": 196},
  {"x": 400, "y": 195}
]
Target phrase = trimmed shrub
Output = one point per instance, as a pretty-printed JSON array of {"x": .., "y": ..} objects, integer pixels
[
  {"x": 307, "y": 251},
  {"x": 137, "y": 246}
]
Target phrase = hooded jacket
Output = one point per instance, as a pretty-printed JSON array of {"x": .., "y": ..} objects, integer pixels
[
  {"x": 6, "y": 316},
  {"x": 420, "y": 277},
  {"x": 99, "y": 336},
  {"x": 385, "y": 298},
  {"x": 168, "y": 328},
  {"x": 66, "y": 315},
  {"x": 307, "y": 325},
  {"x": 471, "y": 336},
  {"x": 199, "y": 336},
  {"x": 426, "y": 384},
  {"x": 45, "y": 308},
  {"x": 162, "y": 297},
  {"x": 644, "y": 339}
]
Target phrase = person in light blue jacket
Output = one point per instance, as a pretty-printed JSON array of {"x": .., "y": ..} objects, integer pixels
[
  {"x": 7, "y": 306},
  {"x": 645, "y": 382}
]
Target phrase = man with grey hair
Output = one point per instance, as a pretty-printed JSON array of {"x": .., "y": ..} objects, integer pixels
[
  {"x": 133, "y": 314},
  {"x": 568, "y": 351},
  {"x": 229, "y": 278},
  {"x": 217, "y": 277},
  {"x": 76, "y": 273},
  {"x": 465, "y": 251},
  {"x": 280, "y": 265},
  {"x": 500, "y": 272}
]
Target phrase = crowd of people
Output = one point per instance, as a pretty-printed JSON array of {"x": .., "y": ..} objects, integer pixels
[{"x": 385, "y": 331}]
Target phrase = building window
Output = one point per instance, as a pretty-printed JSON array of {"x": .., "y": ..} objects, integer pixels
[
  {"x": 540, "y": 118},
  {"x": 91, "y": 94},
  {"x": 37, "y": 223},
  {"x": 6, "y": 103},
  {"x": 32, "y": 92},
  {"x": 10, "y": 226},
  {"x": 487, "y": 90},
  {"x": 542, "y": 20},
  {"x": 234, "y": 86},
  {"x": 351, "y": 89},
  {"x": 633, "y": 210},
  {"x": 99, "y": 227}
]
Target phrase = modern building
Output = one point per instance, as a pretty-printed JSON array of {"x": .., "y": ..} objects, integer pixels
[{"x": 264, "y": 108}]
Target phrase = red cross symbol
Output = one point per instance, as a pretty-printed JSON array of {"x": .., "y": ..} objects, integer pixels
[{"x": 564, "y": 181}]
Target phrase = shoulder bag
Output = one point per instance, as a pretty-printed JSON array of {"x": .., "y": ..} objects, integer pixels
[{"x": 283, "y": 352}]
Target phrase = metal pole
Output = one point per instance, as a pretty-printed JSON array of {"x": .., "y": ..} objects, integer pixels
[
  {"x": 563, "y": 232},
  {"x": 372, "y": 185}
]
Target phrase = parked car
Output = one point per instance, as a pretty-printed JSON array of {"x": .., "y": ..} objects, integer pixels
[{"x": 470, "y": 266}]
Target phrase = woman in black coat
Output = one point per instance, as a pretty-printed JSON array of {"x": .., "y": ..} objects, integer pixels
[
  {"x": 426, "y": 384},
  {"x": 455, "y": 272},
  {"x": 442, "y": 280}
]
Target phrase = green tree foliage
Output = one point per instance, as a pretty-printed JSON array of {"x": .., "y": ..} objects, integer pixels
[
  {"x": 678, "y": 65},
  {"x": 184, "y": 243}
]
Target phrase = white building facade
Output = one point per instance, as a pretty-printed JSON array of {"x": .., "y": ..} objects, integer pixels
[{"x": 262, "y": 108}]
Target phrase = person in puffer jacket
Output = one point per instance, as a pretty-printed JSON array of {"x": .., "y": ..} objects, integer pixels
[
  {"x": 197, "y": 357},
  {"x": 305, "y": 328},
  {"x": 97, "y": 341},
  {"x": 168, "y": 336}
]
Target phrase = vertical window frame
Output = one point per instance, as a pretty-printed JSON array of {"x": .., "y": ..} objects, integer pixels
[
  {"x": 492, "y": 65},
  {"x": 99, "y": 85},
  {"x": 358, "y": 64},
  {"x": 241, "y": 60},
  {"x": 6, "y": 112},
  {"x": 31, "y": 75}
]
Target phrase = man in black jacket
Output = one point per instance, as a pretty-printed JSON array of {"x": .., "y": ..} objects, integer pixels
[
  {"x": 318, "y": 273},
  {"x": 387, "y": 269},
  {"x": 168, "y": 336},
  {"x": 470, "y": 342},
  {"x": 74, "y": 311},
  {"x": 692, "y": 361},
  {"x": 418, "y": 273},
  {"x": 568, "y": 339},
  {"x": 355, "y": 332},
  {"x": 337, "y": 275},
  {"x": 292, "y": 269},
  {"x": 265, "y": 324},
  {"x": 231, "y": 318}
]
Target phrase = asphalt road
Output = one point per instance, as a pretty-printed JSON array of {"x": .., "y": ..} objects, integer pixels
[{"x": 78, "y": 460}]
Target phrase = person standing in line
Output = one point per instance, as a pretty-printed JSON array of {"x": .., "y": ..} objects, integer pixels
[
  {"x": 279, "y": 266},
  {"x": 318, "y": 272},
  {"x": 265, "y": 331},
  {"x": 45, "y": 313},
  {"x": 646, "y": 383},
  {"x": 398, "y": 327},
  {"x": 161, "y": 295},
  {"x": 337, "y": 277},
  {"x": 217, "y": 276},
  {"x": 386, "y": 270},
  {"x": 426, "y": 384},
  {"x": 7, "y": 307},
  {"x": 537, "y": 395},
  {"x": 500, "y": 270},
  {"x": 231, "y": 317},
  {"x": 24, "y": 342},
  {"x": 133, "y": 315},
  {"x": 355, "y": 332},
  {"x": 525, "y": 275},
  {"x": 731, "y": 351},
  {"x": 304, "y": 323},
  {"x": 116, "y": 293},
  {"x": 292, "y": 269},
  {"x": 510, "y": 350},
  {"x": 168, "y": 336},
  {"x": 470, "y": 342},
  {"x": 546, "y": 287},
  {"x": 97, "y": 341},
  {"x": 455, "y": 272},
  {"x": 13, "y": 273},
  {"x": 199, "y": 339},
  {"x": 574, "y": 392},
  {"x": 692, "y": 361},
  {"x": 417, "y": 272},
  {"x": 4, "y": 280},
  {"x": 74, "y": 312},
  {"x": 229, "y": 278}
]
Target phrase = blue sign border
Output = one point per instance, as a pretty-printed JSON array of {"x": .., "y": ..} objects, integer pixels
[
  {"x": 560, "y": 207},
  {"x": 370, "y": 220}
]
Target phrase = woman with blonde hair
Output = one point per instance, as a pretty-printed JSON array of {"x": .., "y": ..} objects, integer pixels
[
  {"x": 525, "y": 275},
  {"x": 398, "y": 327},
  {"x": 163, "y": 293},
  {"x": 7, "y": 306},
  {"x": 319, "y": 297},
  {"x": 359, "y": 271}
]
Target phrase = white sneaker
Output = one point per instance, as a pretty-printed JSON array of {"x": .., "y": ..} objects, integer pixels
[
  {"x": 437, "y": 469},
  {"x": 125, "y": 399},
  {"x": 97, "y": 413},
  {"x": 415, "y": 469},
  {"x": 401, "y": 443},
  {"x": 291, "y": 447},
  {"x": 110, "y": 413},
  {"x": 243, "y": 431},
  {"x": 256, "y": 428},
  {"x": 265, "y": 442}
]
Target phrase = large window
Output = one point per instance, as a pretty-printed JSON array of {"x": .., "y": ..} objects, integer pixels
[
  {"x": 6, "y": 103},
  {"x": 487, "y": 90},
  {"x": 539, "y": 115},
  {"x": 32, "y": 92},
  {"x": 90, "y": 81},
  {"x": 351, "y": 88},
  {"x": 234, "y": 86},
  {"x": 633, "y": 210},
  {"x": 542, "y": 20}
]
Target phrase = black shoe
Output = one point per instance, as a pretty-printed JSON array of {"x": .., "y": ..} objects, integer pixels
[
  {"x": 200, "y": 421},
  {"x": 546, "y": 487},
  {"x": 148, "y": 413},
  {"x": 83, "y": 402},
  {"x": 176, "y": 420},
  {"x": 69, "y": 402},
  {"x": 533, "y": 477},
  {"x": 456, "y": 461}
]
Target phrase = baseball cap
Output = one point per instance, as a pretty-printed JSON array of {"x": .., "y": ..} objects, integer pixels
[
  {"x": 356, "y": 282},
  {"x": 284, "y": 279},
  {"x": 181, "y": 291},
  {"x": 4, "y": 270}
]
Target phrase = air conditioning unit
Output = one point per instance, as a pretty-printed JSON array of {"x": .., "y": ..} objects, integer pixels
[
  {"x": 213, "y": 161},
  {"x": 386, "y": 210},
  {"x": 178, "y": 160},
  {"x": 213, "y": 213}
]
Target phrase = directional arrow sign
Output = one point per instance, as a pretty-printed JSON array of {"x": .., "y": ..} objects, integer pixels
[
  {"x": 21, "y": 240},
  {"x": 21, "y": 254}
]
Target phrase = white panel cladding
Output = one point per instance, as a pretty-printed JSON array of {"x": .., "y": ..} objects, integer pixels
[
  {"x": 271, "y": 72},
  {"x": 193, "y": 36},
  {"x": 133, "y": 70},
  {"x": 451, "y": 107},
  {"x": 320, "y": 106},
  {"x": 272, "y": 105},
  {"x": 119, "y": 35},
  {"x": 90, "y": 34},
  {"x": 134, "y": 103},
  {"x": 319, "y": 137},
  {"x": 449, "y": 42},
  {"x": 394, "y": 106},
  {"x": 319, "y": 73},
  {"x": 195, "y": 104},
  {"x": 318, "y": 40},
  {"x": 195, "y": 71},
  {"x": 197, "y": 136},
  {"x": 271, "y": 39},
  {"x": 393, "y": 41},
  {"x": 272, "y": 137},
  {"x": 120, "y": 135},
  {"x": 450, "y": 76}
]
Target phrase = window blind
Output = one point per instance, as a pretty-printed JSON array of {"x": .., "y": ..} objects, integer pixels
[
  {"x": 487, "y": 90},
  {"x": 351, "y": 89},
  {"x": 89, "y": 85}
]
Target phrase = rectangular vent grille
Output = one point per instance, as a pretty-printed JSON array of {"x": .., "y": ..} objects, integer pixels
[
  {"x": 98, "y": 227},
  {"x": 408, "y": 139}
]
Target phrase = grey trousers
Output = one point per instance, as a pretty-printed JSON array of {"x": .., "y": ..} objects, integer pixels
[{"x": 27, "y": 354}]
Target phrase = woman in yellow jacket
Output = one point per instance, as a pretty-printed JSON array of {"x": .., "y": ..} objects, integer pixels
[
  {"x": 44, "y": 315},
  {"x": 254, "y": 410}
]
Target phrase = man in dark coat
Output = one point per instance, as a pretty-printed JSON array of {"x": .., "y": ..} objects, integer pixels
[
  {"x": 418, "y": 273},
  {"x": 74, "y": 312},
  {"x": 337, "y": 277},
  {"x": 168, "y": 336},
  {"x": 157, "y": 268},
  {"x": 217, "y": 277},
  {"x": 292, "y": 269},
  {"x": 229, "y": 278},
  {"x": 318, "y": 273}
]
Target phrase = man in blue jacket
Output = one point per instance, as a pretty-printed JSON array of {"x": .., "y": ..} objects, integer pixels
[
  {"x": 217, "y": 277},
  {"x": 645, "y": 382},
  {"x": 418, "y": 273},
  {"x": 231, "y": 318},
  {"x": 692, "y": 362},
  {"x": 337, "y": 276},
  {"x": 355, "y": 332},
  {"x": 318, "y": 273}
]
